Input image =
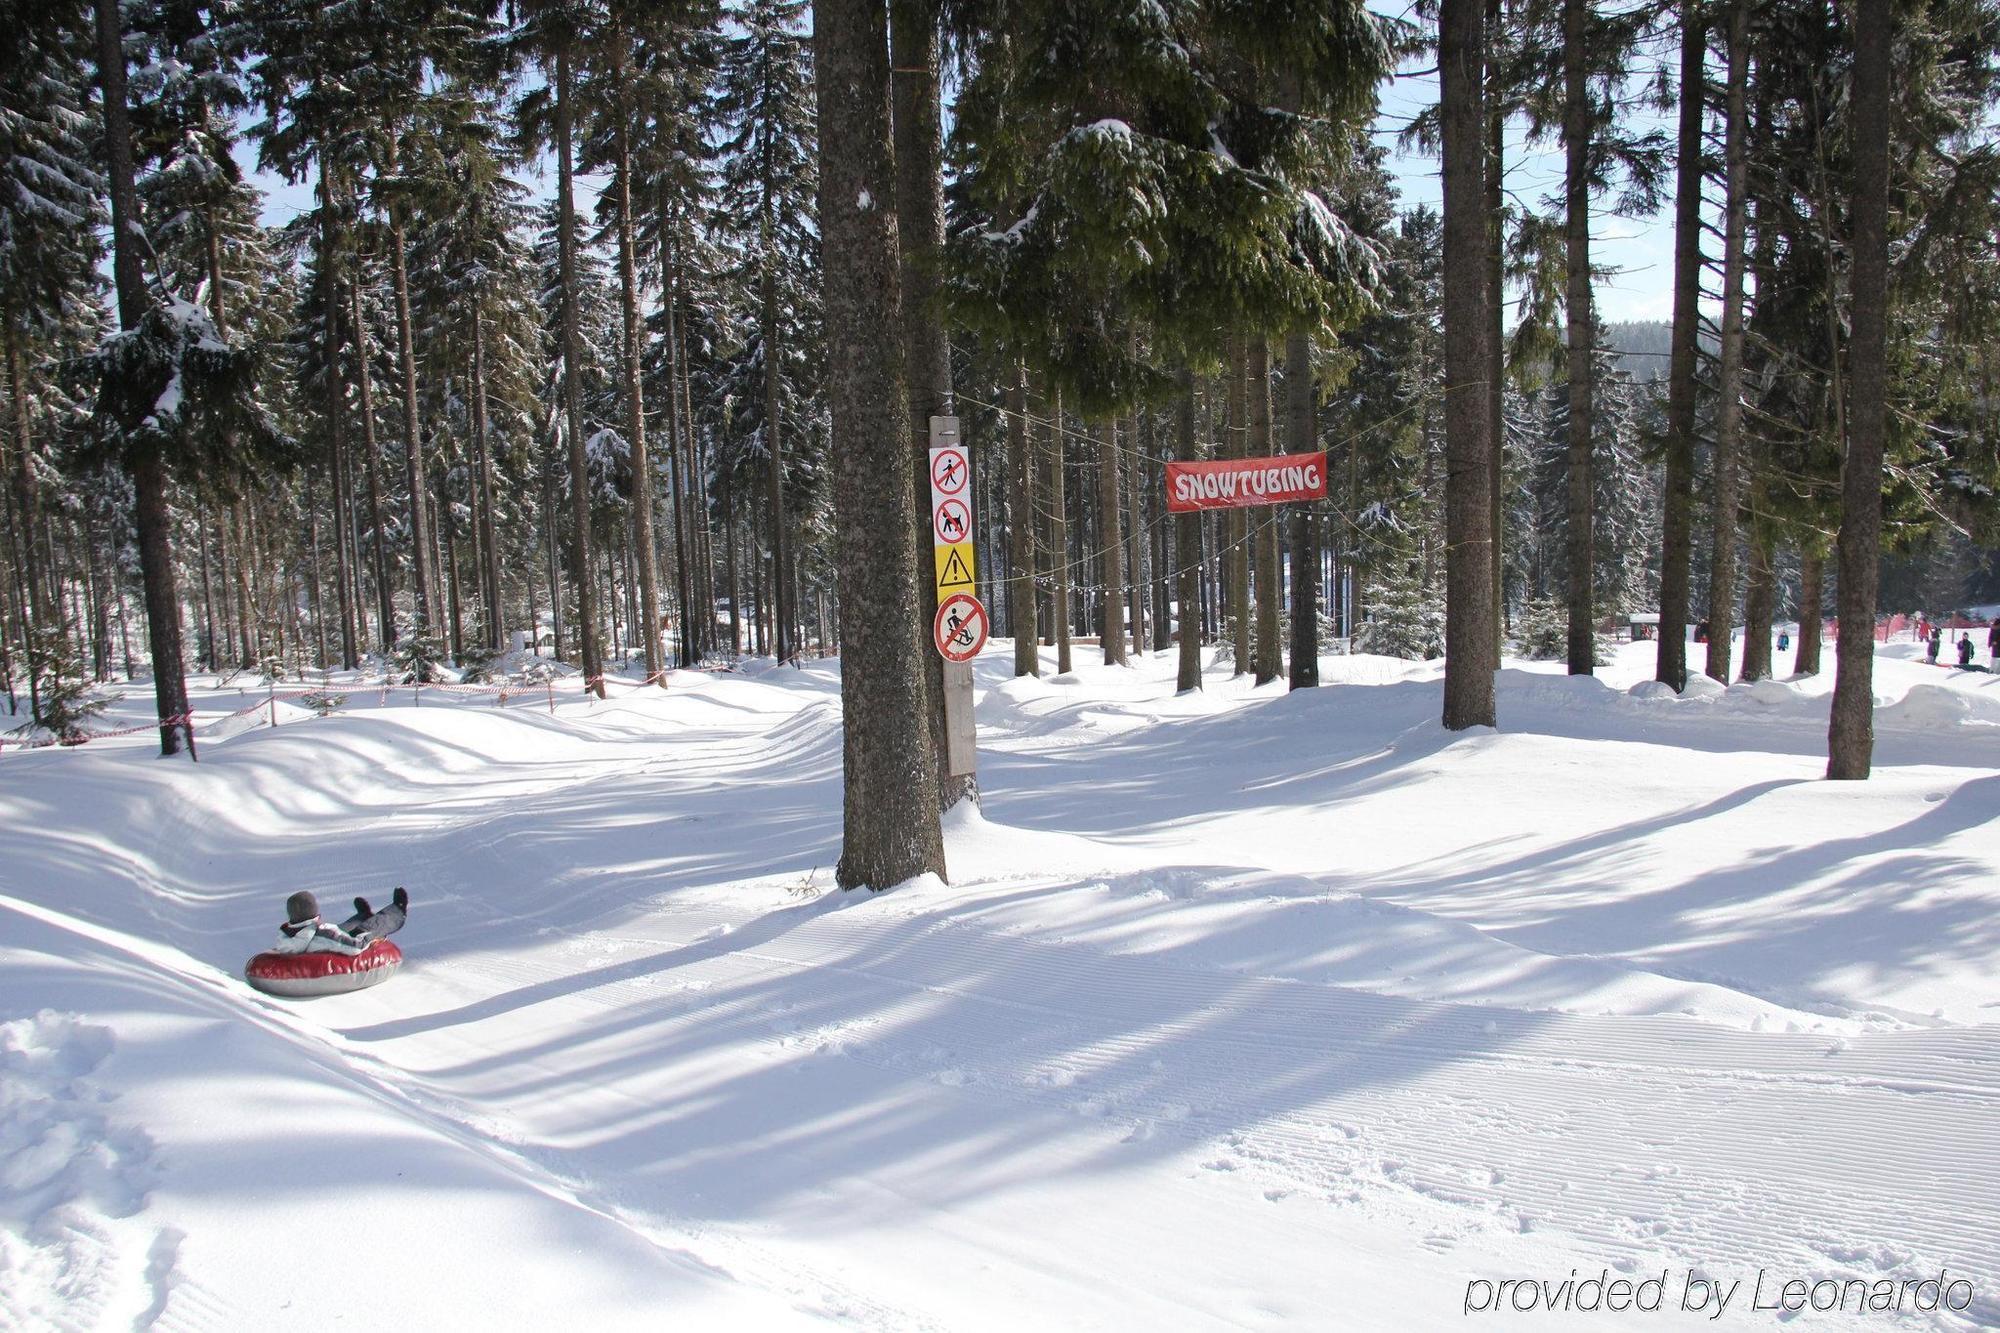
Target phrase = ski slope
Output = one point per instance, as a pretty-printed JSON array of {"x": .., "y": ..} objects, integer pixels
[{"x": 1242, "y": 1009}]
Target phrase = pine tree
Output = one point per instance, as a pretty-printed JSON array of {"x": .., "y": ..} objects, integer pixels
[
  {"x": 50, "y": 202},
  {"x": 1471, "y": 645},
  {"x": 767, "y": 203},
  {"x": 890, "y": 828}
]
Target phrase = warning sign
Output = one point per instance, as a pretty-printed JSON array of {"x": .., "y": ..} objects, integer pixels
[
  {"x": 954, "y": 568},
  {"x": 960, "y": 628}
]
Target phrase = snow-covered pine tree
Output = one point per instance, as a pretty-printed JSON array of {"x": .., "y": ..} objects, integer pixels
[
  {"x": 474, "y": 288},
  {"x": 766, "y": 213},
  {"x": 50, "y": 202}
]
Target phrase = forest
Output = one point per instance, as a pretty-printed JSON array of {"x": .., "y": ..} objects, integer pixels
[{"x": 612, "y": 329}]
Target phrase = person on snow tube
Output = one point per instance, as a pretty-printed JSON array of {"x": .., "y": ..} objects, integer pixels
[{"x": 305, "y": 932}]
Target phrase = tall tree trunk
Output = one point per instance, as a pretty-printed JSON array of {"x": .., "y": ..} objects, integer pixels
[
  {"x": 336, "y": 433},
  {"x": 1112, "y": 603},
  {"x": 1851, "y": 728},
  {"x": 384, "y": 590},
  {"x": 890, "y": 829},
  {"x": 1135, "y": 569},
  {"x": 1812, "y": 594},
  {"x": 416, "y": 475},
  {"x": 1021, "y": 526},
  {"x": 1760, "y": 600},
  {"x": 1187, "y": 546},
  {"x": 239, "y": 535},
  {"x": 1582, "y": 328},
  {"x": 1470, "y": 642},
  {"x": 1236, "y": 522},
  {"x": 1677, "y": 520},
  {"x": 488, "y": 539},
  {"x": 1056, "y": 469},
  {"x": 917, "y": 126},
  {"x": 589, "y": 654},
  {"x": 1299, "y": 439},
  {"x": 678, "y": 480},
  {"x": 729, "y": 569},
  {"x": 150, "y": 512},
  {"x": 635, "y": 398},
  {"x": 1729, "y": 387},
  {"x": 1269, "y": 652},
  {"x": 26, "y": 491},
  {"x": 1496, "y": 301}
]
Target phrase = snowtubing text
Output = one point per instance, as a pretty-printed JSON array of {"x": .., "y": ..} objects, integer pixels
[{"x": 1237, "y": 482}]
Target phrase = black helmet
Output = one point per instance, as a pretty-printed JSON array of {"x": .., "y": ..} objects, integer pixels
[{"x": 301, "y": 907}]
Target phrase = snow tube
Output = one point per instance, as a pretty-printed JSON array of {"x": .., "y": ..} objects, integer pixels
[{"x": 301, "y": 976}]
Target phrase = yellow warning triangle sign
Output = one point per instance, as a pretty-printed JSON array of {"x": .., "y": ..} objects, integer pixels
[{"x": 954, "y": 568}]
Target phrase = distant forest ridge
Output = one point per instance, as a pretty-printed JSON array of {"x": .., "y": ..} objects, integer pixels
[{"x": 1643, "y": 345}]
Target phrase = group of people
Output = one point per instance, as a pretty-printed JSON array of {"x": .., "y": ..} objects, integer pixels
[{"x": 1934, "y": 643}]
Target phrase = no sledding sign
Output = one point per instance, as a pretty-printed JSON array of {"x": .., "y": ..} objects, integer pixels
[{"x": 960, "y": 627}]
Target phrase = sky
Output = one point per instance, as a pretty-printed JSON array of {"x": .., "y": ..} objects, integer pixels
[{"x": 1637, "y": 252}]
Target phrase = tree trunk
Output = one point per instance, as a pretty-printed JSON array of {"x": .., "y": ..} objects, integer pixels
[
  {"x": 1729, "y": 409},
  {"x": 416, "y": 475},
  {"x": 917, "y": 127},
  {"x": 1496, "y": 302},
  {"x": 678, "y": 481},
  {"x": 1812, "y": 594},
  {"x": 635, "y": 399},
  {"x": 336, "y": 421},
  {"x": 150, "y": 513},
  {"x": 1187, "y": 544},
  {"x": 890, "y": 829},
  {"x": 384, "y": 591},
  {"x": 1236, "y": 522},
  {"x": 1582, "y": 326},
  {"x": 1677, "y": 520},
  {"x": 1269, "y": 653},
  {"x": 1021, "y": 527},
  {"x": 1851, "y": 729},
  {"x": 729, "y": 569},
  {"x": 589, "y": 654},
  {"x": 26, "y": 492},
  {"x": 1470, "y": 644},
  {"x": 1056, "y": 469},
  {"x": 1759, "y": 604},
  {"x": 1135, "y": 567},
  {"x": 1111, "y": 625},
  {"x": 1299, "y": 439}
]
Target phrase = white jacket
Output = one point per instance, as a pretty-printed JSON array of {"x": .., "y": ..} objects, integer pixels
[{"x": 316, "y": 936}]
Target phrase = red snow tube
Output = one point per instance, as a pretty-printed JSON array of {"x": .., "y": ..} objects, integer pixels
[{"x": 300, "y": 976}]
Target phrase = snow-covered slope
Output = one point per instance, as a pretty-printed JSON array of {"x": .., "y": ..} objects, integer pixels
[{"x": 1241, "y": 1009}]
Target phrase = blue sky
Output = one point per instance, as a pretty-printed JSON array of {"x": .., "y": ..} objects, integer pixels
[{"x": 1639, "y": 251}]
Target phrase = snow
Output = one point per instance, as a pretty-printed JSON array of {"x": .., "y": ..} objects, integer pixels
[{"x": 1241, "y": 1009}]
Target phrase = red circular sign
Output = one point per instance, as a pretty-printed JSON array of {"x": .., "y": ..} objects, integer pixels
[
  {"x": 953, "y": 522},
  {"x": 949, "y": 471},
  {"x": 960, "y": 627}
]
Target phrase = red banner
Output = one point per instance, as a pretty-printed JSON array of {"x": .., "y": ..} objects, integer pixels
[{"x": 1236, "y": 482}]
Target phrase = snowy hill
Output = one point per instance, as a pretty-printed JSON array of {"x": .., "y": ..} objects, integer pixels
[{"x": 1242, "y": 1009}]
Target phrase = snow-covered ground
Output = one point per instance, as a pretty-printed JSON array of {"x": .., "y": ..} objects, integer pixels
[{"x": 1242, "y": 1009}]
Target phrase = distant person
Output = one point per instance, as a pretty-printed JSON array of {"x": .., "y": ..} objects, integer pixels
[
  {"x": 1701, "y": 631},
  {"x": 1784, "y": 640},
  {"x": 1965, "y": 650},
  {"x": 1935, "y": 642},
  {"x": 1993, "y": 643},
  {"x": 305, "y": 932}
]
